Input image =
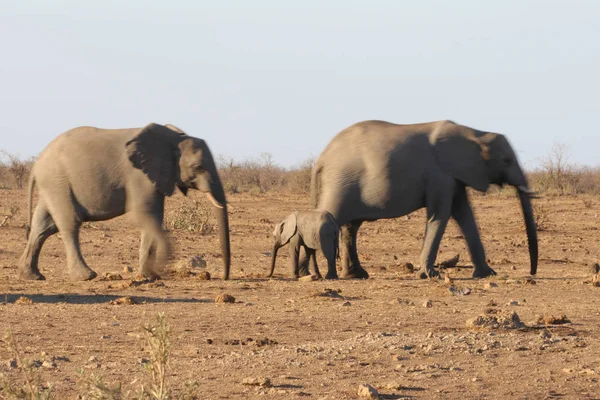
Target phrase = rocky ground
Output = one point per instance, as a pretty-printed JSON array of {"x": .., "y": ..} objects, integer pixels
[{"x": 505, "y": 337}]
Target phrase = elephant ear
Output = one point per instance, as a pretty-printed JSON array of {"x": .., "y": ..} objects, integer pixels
[
  {"x": 288, "y": 228},
  {"x": 460, "y": 153},
  {"x": 153, "y": 151},
  {"x": 176, "y": 129}
]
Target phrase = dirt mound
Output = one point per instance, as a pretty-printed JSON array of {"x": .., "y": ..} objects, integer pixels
[{"x": 506, "y": 320}]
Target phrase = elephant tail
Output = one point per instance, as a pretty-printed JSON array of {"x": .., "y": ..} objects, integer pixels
[
  {"x": 315, "y": 183},
  {"x": 29, "y": 203}
]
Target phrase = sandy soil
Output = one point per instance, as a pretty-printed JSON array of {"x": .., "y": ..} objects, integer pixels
[{"x": 407, "y": 338}]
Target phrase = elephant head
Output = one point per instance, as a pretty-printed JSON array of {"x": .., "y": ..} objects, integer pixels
[
  {"x": 479, "y": 159},
  {"x": 170, "y": 158},
  {"x": 282, "y": 234}
]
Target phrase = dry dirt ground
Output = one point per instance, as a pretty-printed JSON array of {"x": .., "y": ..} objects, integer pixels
[{"x": 406, "y": 337}]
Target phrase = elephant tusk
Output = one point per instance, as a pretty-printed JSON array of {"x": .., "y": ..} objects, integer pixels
[
  {"x": 214, "y": 201},
  {"x": 530, "y": 192}
]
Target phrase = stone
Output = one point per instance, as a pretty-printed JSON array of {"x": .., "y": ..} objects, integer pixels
[
  {"x": 192, "y": 262},
  {"x": 490, "y": 285},
  {"x": 225, "y": 298},
  {"x": 308, "y": 278},
  {"x": 366, "y": 391},
  {"x": 262, "y": 382},
  {"x": 428, "y": 304}
]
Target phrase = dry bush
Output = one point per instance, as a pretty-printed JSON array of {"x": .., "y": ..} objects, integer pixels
[
  {"x": 192, "y": 215},
  {"x": 556, "y": 175},
  {"x": 31, "y": 388},
  {"x": 158, "y": 342},
  {"x": 18, "y": 169},
  {"x": 261, "y": 175}
]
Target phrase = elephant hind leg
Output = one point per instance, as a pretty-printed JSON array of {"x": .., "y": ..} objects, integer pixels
[
  {"x": 42, "y": 227},
  {"x": 65, "y": 215},
  {"x": 351, "y": 268}
]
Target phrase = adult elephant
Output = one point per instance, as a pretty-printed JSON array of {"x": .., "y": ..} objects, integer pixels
[
  {"x": 375, "y": 169},
  {"x": 91, "y": 174}
]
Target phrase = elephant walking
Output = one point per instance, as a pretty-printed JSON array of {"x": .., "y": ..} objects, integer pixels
[
  {"x": 310, "y": 230},
  {"x": 91, "y": 174},
  {"x": 375, "y": 169}
]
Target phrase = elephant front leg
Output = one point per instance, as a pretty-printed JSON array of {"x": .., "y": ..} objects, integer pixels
[
  {"x": 147, "y": 255},
  {"x": 303, "y": 262},
  {"x": 463, "y": 214},
  {"x": 439, "y": 204},
  {"x": 351, "y": 268},
  {"x": 295, "y": 246}
]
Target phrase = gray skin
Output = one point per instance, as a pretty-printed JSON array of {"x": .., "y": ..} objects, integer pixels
[
  {"x": 311, "y": 230},
  {"x": 91, "y": 174},
  {"x": 375, "y": 169}
]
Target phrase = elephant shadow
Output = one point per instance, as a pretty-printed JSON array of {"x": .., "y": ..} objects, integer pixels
[{"x": 74, "y": 298}]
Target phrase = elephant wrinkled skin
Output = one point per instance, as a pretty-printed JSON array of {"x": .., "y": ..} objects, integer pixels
[
  {"x": 91, "y": 174},
  {"x": 375, "y": 169}
]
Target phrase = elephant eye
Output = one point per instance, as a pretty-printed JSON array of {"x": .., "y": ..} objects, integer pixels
[{"x": 198, "y": 168}]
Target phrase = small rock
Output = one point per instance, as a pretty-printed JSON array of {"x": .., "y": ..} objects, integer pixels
[
  {"x": 123, "y": 301},
  {"x": 225, "y": 298},
  {"x": 428, "y": 304},
  {"x": 192, "y": 262},
  {"x": 393, "y": 386},
  {"x": 594, "y": 268},
  {"x": 209, "y": 341},
  {"x": 448, "y": 280},
  {"x": 407, "y": 268},
  {"x": 308, "y": 278},
  {"x": 262, "y": 382},
  {"x": 127, "y": 269},
  {"x": 530, "y": 281},
  {"x": 596, "y": 281},
  {"x": 24, "y": 300},
  {"x": 552, "y": 320},
  {"x": 513, "y": 303},
  {"x": 48, "y": 364},
  {"x": 367, "y": 392},
  {"x": 204, "y": 276},
  {"x": 93, "y": 359},
  {"x": 111, "y": 277},
  {"x": 346, "y": 304},
  {"x": 490, "y": 285},
  {"x": 514, "y": 267},
  {"x": 12, "y": 363}
]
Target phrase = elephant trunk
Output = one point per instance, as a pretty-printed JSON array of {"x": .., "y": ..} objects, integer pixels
[
  {"x": 224, "y": 239},
  {"x": 216, "y": 195},
  {"x": 273, "y": 258},
  {"x": 530, "y": 227}
]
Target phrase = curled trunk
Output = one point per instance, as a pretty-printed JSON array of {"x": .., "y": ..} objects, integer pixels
[{"x": 530, "y": 227}]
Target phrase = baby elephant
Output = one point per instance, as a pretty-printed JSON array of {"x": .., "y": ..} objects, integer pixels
[{"x": 313, "y": 230}]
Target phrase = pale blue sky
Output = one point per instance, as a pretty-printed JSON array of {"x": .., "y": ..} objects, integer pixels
[{"x": 255, "y": 76}]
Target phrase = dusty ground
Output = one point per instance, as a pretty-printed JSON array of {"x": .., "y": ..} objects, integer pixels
[{"x": 408, "y": 338}]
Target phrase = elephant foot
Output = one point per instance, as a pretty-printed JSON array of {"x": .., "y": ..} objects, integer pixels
[
  {"x": 425, "y": 273},
  {"x": 82, "y": 274},
  {"x": 31, "y": 275},
  {"x": 331, "y": 276},
  {"x": 355, "y": 273},
  {"x": 483, "y": 272}
]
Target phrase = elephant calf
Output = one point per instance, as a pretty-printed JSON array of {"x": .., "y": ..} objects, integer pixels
[
  {"x": 311, "y": 230},
  {"x": 91, "y": 174}
]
